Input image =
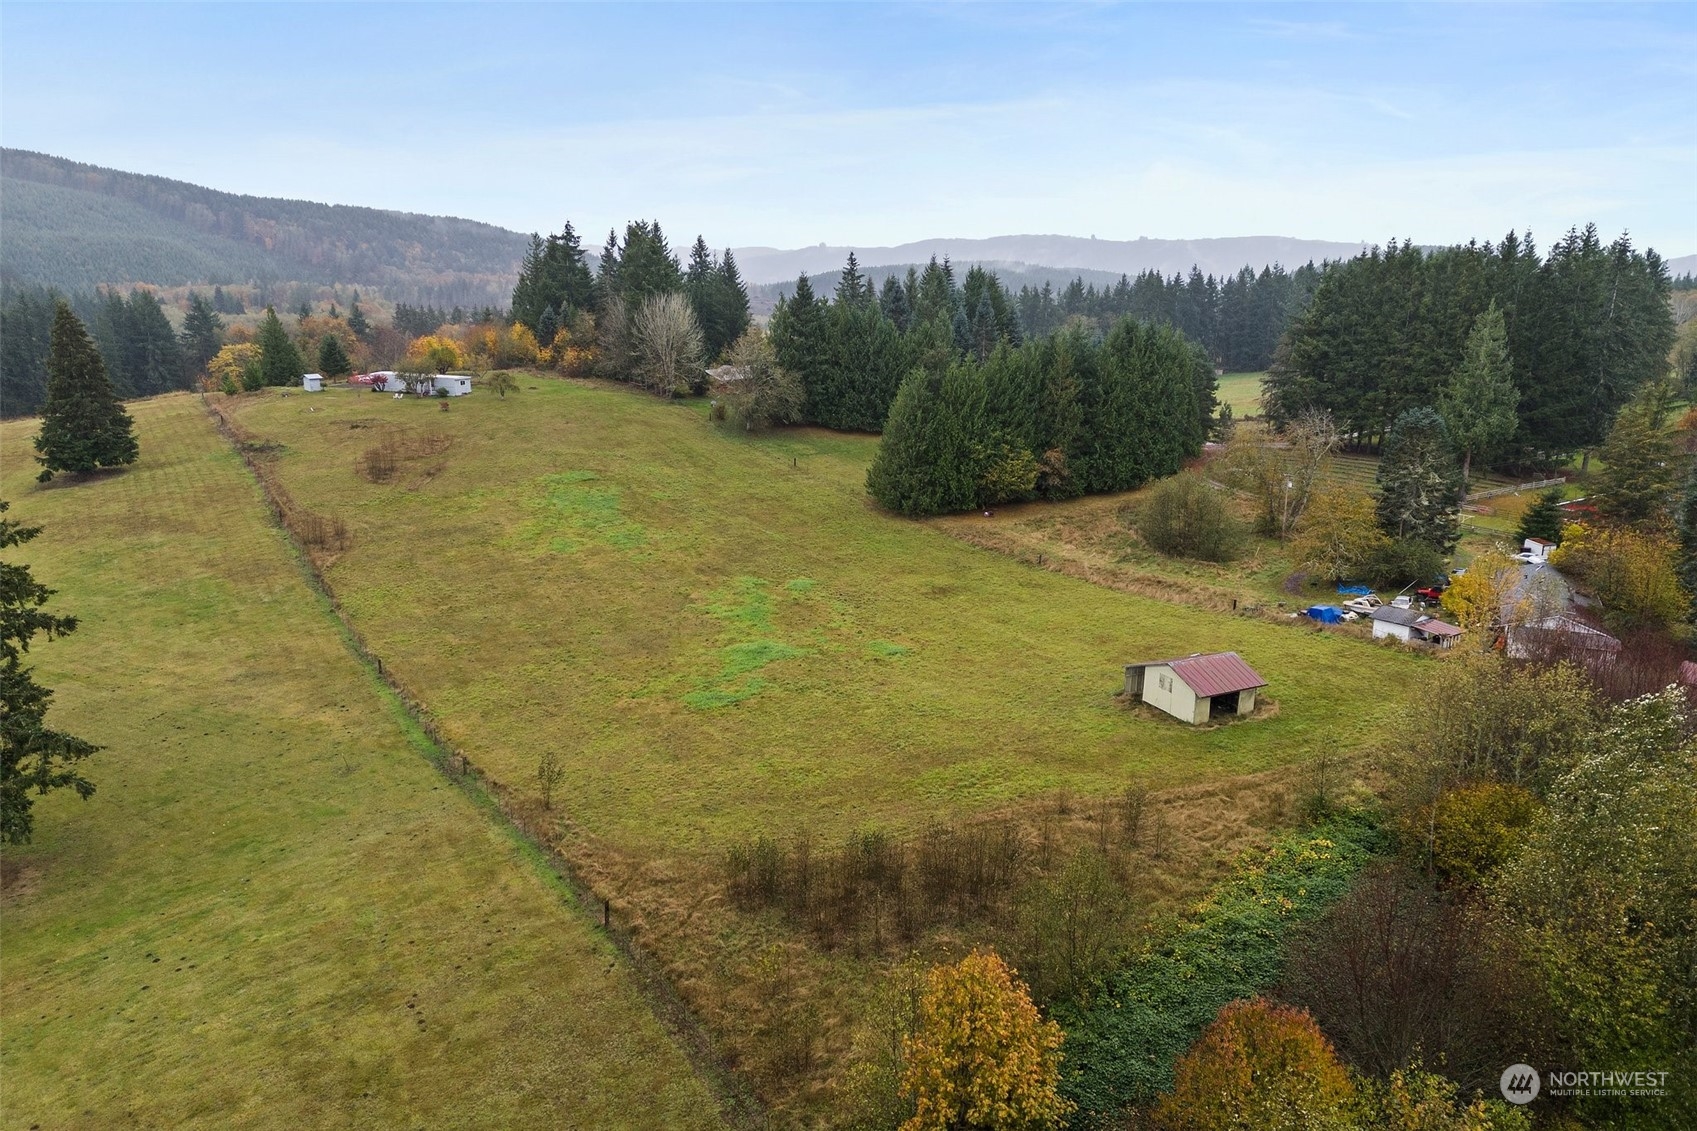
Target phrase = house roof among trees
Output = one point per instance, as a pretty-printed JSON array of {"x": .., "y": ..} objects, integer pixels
[{"x": 1210, "y": 673}]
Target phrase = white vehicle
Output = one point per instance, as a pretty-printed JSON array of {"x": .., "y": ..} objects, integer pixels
[
  {"x": 1405, "y": 601},
  {"x": 1528, "y": 557},
  {"x": 1363, "y": 605}
]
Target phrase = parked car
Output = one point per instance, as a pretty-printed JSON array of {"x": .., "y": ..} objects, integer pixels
[
  {"x": 1432, "y": 592},
  {"x": 1526, "y": 556},
  {"x": 1363, "y": 605},
  {"x": 1402, "y": 601}
]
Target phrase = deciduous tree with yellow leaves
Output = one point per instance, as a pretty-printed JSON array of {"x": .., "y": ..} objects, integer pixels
[
  {"x": 981, "y": 1056},
  {"x": 1259, "y": 1067}
]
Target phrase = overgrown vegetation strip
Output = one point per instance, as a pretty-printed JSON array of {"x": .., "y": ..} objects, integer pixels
[
  {"x": 1121, "y": 1045},
  {"x": 737, "y": 1104}
]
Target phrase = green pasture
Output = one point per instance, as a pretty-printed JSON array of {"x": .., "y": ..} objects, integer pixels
[
  {"x": 275, "y": 912},
  {"x": 720, "y": 635},
  {"x": 1243, "y": 392}
]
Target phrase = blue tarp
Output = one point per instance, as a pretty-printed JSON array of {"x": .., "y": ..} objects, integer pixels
[
  {"x": 1354, "y": 590},
  {"x": 1325, "y": 614}
]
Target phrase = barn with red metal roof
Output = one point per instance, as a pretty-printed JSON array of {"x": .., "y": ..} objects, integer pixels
[{"x": 1197, "y": 687}]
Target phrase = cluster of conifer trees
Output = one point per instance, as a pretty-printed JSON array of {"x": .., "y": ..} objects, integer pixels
[
  {"x": 556, "y": 284},
  {"x": 1238, "y": 319},
  {"x": 1587, "y": 324},
  {"x": 142, "y": 353},
  {"x": 975, "y": 413}
]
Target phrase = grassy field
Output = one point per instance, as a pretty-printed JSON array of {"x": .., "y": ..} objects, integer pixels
[
  {"x": 275, "y": 912},
  {"x": 721, "y": 635},
  {"x": 1243, "y": 392}
]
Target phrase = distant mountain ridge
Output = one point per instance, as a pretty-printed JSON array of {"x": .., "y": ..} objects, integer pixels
[
  {"x": 1222, "y": 256},
  {"x": 77, "y": 226}
]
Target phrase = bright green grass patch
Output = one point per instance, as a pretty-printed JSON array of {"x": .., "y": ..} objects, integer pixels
[
  {"x": 1122, "y": 1047},
  {"x": 886, "y": 649},
  {"x": 1243, "y": 392},
  {"x": 573, "y": 514},
  {"x": 800, "y": 585},
  {"x": 274, "y": 912},
  {"x": 610, "y": 656}
]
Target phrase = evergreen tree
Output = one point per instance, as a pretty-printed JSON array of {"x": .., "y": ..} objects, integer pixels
[
  {"x": 1419, "y": 482},
  {"x": 931, "y": 457},
  {"x": 279, "y": 361},
  {"x": 646, "y": 264},
  {"x": 983, "y": 330},
  {"x": 853, "y": 288},
  {"x": 892, "y": 300},
  {"x": 732, "y": 300},
  {"x": 303, "y": 313},
  {"x": 607, "y": 272},
  {"x": 547, "y": 327},
  {"x": 152, "y": 355},
  {"x": 1543, "y": 519},
  {"x": 800, "y": 340},
  {"x": 357, "y": 321},
  {"x": 83, "y": 427},
  {"x": 528, "y": 301},
  {"x": 26, "y": 330},
  {"x": 333, "y": 358},
  {"x": 1478, "y": 405},
  {"x": 202, "y": 333},
  {"x": 33, "y": 758},
  {"x": 1640, "y": 463},
  {"x": 1686, "y": 521}
]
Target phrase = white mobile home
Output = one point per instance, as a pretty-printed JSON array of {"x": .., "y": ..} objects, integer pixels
[
  {"x": 1195, "y": 688},
  {"x": 450, "y": 384}
]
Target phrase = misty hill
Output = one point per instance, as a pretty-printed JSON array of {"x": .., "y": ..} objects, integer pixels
[
  {"x": 76, "y": 226},
  {"x": 1073, "y": 254},
  {"x": 1684, "y": 265}
]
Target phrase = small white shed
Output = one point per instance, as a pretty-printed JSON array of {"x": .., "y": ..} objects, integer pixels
[
  {"x": 313, "y": 382},
  {"x": 1196, "y": 687},
  {"x": 1538, "y": 548},
  {"x": 1412, "y": 627},
  {"x": 452, "y": 384}
]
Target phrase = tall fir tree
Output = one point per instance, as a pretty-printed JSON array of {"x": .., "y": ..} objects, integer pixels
[
  {"x": 203, "y": 333},
  {"x": 1686, "y": 524},
  {"x": 1419, "y": 482},
  {"x": 547, "y": 326},
  {"x": 852, "y": 287},
  {"x": 734, "y": 318},
  {"x": 357, "y": 321},
  {"x": 1641, "y": 465},
  {"x": 892, "y": 300},
  {"x": 83, "y": 427},
  {"x": 1479, "y": 402},
  {"x": 1543, "y": 519},
  {"x": 280, "y": 361},
  {"x": 333, "y": 359},
  {"x": 931, "y": 457}
]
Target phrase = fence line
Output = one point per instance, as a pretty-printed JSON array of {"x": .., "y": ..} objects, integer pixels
[{"x": 1518, "y": 487}]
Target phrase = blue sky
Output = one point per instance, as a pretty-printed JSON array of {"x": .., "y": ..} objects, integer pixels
[{"x": 869, "y": 124}]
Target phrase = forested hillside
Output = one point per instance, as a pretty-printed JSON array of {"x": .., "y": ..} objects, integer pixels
[{"x": 76, "y": 227}]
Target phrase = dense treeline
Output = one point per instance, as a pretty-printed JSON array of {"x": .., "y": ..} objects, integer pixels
[
  {"x": 557, "y": 292},
  {"x": 143, "y": 355},
  {"x": 1238, "y": 319},
  {"x": 1056, "y": 417},
  {"x": 1586, "y": 325},
  {"x": 77, "y": 226}
]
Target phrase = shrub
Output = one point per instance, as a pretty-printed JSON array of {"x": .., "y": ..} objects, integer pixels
[
  {"x": 980, "y": 1055},
  {"x": 1476, "y": 829},
  {"x": 1186, "y": 518},
  {"x": 1259, "y": 1067},
  {"x": 1404, "y": 561},
  {"x": 1415, "y": 1100},
  {"x": 1070, "y": 926}
]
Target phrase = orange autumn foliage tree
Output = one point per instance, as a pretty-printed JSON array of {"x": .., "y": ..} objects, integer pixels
[
  {"x": 1258, "y": 1066},
  {"x": 432, "y": 355},
  {"x": 980, "y": 1055}
]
